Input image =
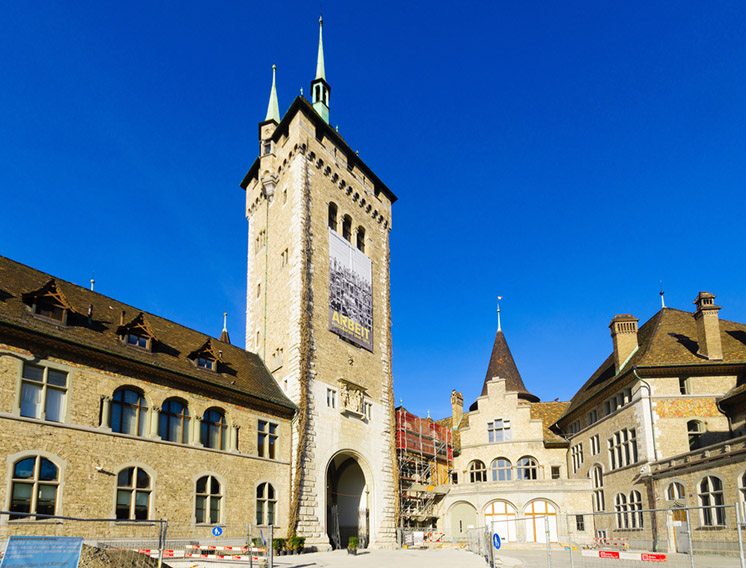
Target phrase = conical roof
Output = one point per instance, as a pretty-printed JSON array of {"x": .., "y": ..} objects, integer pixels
[{"x": 502, "y": 365}]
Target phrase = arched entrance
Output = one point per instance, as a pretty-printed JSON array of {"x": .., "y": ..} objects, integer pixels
[
  {"x": 541, "y": 516},
  {"x": 347, "y": 496},
  {"x": 463, "y": 517}
]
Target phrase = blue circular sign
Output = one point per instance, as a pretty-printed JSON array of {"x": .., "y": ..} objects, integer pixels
[
  {"x": 217, "y": 531},
  {"x": 496, "y": 542}
]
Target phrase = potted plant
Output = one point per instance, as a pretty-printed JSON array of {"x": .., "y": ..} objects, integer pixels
[
  {"x": 294, "y": 545},
  {"x": 352, "y": 544},
  {"x": 278, "y": 545},
  {"x": 301, "y": 544}
]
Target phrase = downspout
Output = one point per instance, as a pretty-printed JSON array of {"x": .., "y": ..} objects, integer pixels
[{"x": 649, "y": 478}]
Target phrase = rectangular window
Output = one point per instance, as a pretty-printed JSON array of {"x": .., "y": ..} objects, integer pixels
[
  {"x": 331, "y": 398},
  {"x": 575, "y": 427},
  {"x": 595, "y": 445},
  {"x": 580, "y": 523},
  {"x": 618, "y": 401},
  {"x": 266, "y": 147},
  {"x": 555, "y": 472},
  {"x": 368, "y": 410},
  {"x": 576, "y": 453},
  {"x": 623, "y": 448},
  {"x": 43, "y": 393},
  {"x": 592, "y": 417},
  {"x": 683, "y": 385},
  {"x": 267, "y": 439},
  {"x": 498, "y": 430}
]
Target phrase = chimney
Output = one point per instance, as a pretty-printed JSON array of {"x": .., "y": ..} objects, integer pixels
[
  {"x": 624, "y": 335},
  {"x": 708, "y": 327},
  {"x": 457, "y": 407}
]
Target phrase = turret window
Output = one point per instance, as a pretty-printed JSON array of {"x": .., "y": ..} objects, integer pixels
[
  {"x": 361, "y": 239},
  {"x": 347, "y": 228},
  {"x": 333, "y": 216}
]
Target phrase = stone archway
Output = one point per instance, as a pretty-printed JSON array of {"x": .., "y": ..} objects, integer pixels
[{"x": 347, "y": 501}]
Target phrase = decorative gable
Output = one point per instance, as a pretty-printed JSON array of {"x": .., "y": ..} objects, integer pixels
[
  {"x": 206, "y": 357},
  {"x": 49, "y": 302},
  {"x": 137, "y": 333}
]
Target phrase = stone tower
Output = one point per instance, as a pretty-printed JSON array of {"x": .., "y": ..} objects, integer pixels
[{"x": 318, "y": 314}]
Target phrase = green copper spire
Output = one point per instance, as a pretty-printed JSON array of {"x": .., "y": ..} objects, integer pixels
[
  {"x": 273, "y": 108},
  {"x": 320, "y": 71}
]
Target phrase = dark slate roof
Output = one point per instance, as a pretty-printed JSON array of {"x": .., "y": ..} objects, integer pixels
[
  {"x": 503, "y": 365},
  {"x": 668, "y": 339},
  {"x": 240, "y": 374},
  {"x": 300, "y": 104}
]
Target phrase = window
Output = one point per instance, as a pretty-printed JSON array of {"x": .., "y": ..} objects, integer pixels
[
  {"x": 284, "y": 257},
  {"x": 266, "y": 439},
  {"x": 133, "y": 494},
  {"x": 138, "y": 341},
  {"x": 361, "y": 239},
  {"x": 635, "y": 510},
  {"x": 209, "y": 500},
  {"x": 574, "y": 427},
  {"x": 675, "y": 491},
  {"x": 333, "y": 216},
  {"x": 595, "y": 445},
  {"x": 711, "y": 501},
  {"x": 266, "y": 147},
  {"x": 620, "y": 506},
  {"x": 173, "y": 422},
  {"x": 258, "y": 289},
  {"x": 580, "y": 523},
  {"x": 43, "y": 393},
  {"x": 368, "y": 409},
  {"x": 501, "y": 469},
  {"x": 347, "y": 227},
  {"x": 498, "y": 430},
  {"x": 577, "y": 457},
  {"x": 284, "y": 196},
  {"x": 528, "y": 468},
  {"x": 214, "y": 429},
  {"x": 50, "y": 308},
  {"x": 597, "y": 480},
  {"x": 618, "y": 401},
  {"x": 265, "y": 504},
  {"x": 555, "y": 472},
  {"x": 622, "y": 448},
  {"x": 454, "y": 477},
  {"x": 129, "y": 412},
  {"x": 683, "y": 385},
  {"x": 34, "y": 487},
  {"x": 331, "y": 398},
  {"x": 592, "y": 417},
  {"x": 742, "y": 487},
  {"x": 477, "y": 472},
  {"x": 205, "y": 363},
  {"x": 695, "y": 429}
]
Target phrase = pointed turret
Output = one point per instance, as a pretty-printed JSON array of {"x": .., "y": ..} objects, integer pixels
[
  {"x": 224, "y": 337},
  {"x": 273, "y": 108},
  {"x": 320, "y": 89}
]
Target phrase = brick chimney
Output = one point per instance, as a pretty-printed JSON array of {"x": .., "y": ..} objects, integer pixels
[
  {"x": 708, "y": 327},
  {"x": 624, "y": 336},
  {"x": 457, "y": 407}
]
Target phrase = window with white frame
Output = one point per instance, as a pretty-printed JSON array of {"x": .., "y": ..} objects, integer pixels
[
  {"x": 133, "y": 494},
  {"x": 527, "y": 468},
  {"x": 635, "y": 510},
  {"x": 597, "y": 480},
  {"x": 623, "y": 448},
  {"x": 477, "y": 472},
  {"x": 501, "y": 469},
  {"x": 498, "y": 430},
  {"x": 595, "y": 445},
  {"x": 618, "y": 401},
  {"x": 621, "y": 510},
  {"x": 43, "y": 393},
  {"x": 577, "y": 457},
  {"x": 592, "y": 417},
  {"x": 266, "y": 502},
  {"x": 712, "y": 502},
  {"x": 331, "y": 398},
  {"x": 267, "y": 439},
  {"x": 368, "y": 409},
  {"x": 209, "y": 500},
  {"x": 675, "y": 491},
  {"x": 695, "y": 430},
  {"x": 574, "y": 427}
]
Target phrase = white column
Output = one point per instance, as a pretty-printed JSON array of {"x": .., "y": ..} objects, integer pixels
[{"x": 105, "y": 412}]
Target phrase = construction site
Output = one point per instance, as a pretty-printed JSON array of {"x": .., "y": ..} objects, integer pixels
[{"x": 424, "y": 449}]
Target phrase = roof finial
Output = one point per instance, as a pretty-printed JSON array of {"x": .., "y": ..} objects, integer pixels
[
  {"x": 225, "y": 321},
  {"x": 92, "y": 283},
  {"x": 224, "y": 337},
  {"x": 499, "y": 323},
  {"x": 273, "y": 108},
  {"x": 663, "y": 296},
  {"x": 320, "y": 71}
]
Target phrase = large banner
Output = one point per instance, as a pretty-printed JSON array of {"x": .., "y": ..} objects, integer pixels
[{"x": 350, "y": 292}]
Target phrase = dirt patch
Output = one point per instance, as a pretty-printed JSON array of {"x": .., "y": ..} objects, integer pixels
[{"x": 92, "y": 557}]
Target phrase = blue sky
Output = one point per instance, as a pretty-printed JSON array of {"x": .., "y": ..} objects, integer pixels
[{"x": 567, "y": 155}]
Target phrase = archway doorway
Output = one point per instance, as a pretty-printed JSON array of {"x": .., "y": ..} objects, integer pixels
[
  {"x": 347, "y": 495},
  {"x": 463, "y": 517}
]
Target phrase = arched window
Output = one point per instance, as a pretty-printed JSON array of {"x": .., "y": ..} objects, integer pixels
[
  {"x": 597, "y": 479},
  {"x": 129, "y": 412},
  {"x": 265, "y": 504},
  {"x": 133, "y": 494},
  {"x": 213, "y": 432},
  {"x": 500, "y": 516},
  {"x": 477, "y": 472},
  {"x": 333, "y": 216},
  {"x": 711, "y": 501},
  {"x": 695, "y": 429},
  {"x": 347, "y": 227},
  {"x": 361, "y": 239},
  {"x": 209, "y": 500},
  {"x": 34, "y": 487},
  {"x": 675, "y": 491},
  {"x": 501, "y": 469},
  {"x": 528, "y": 468},
  {"x": 635, "y": 510},
  {"x": 620, "y": 506},
  {"x": 540, "y": 515},
  {"x": 173, "y": 423}
]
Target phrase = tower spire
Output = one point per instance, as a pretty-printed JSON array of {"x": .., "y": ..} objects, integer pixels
[
  {"x": 320, "y": 71},
  {"x": 320, "y": 89},
  {"x": 273, "y": 108},
  {"x": 499, "y": 324},
  {"x": 224, "y": 337}
]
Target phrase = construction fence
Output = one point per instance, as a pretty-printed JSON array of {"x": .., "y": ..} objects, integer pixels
[
  {"x": 685, "y": 537},
  {"x": 151, "y": 543}
]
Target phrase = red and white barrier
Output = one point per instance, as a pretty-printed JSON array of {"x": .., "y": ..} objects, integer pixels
[
  {"x": 244, "y": 552},
  {"x": 624, "y": 555}
]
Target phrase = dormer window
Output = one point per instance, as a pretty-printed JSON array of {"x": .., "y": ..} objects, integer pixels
[
  {"x": 266, "y": 147},
  {"x": 206, "y": 357},
  {"x": 49, "y": 302},
  {"x": 137, "y": 333}
]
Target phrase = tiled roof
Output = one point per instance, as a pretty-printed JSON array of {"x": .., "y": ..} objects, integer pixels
[
  {"x": 503, "y": 365},
  {"x": 549, "y": 413},
  {"x": 669, "y": 338},
  {"x": 239, "y": 372}
]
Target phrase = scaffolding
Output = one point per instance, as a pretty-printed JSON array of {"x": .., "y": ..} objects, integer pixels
[{"x": 424, "y": 451}]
